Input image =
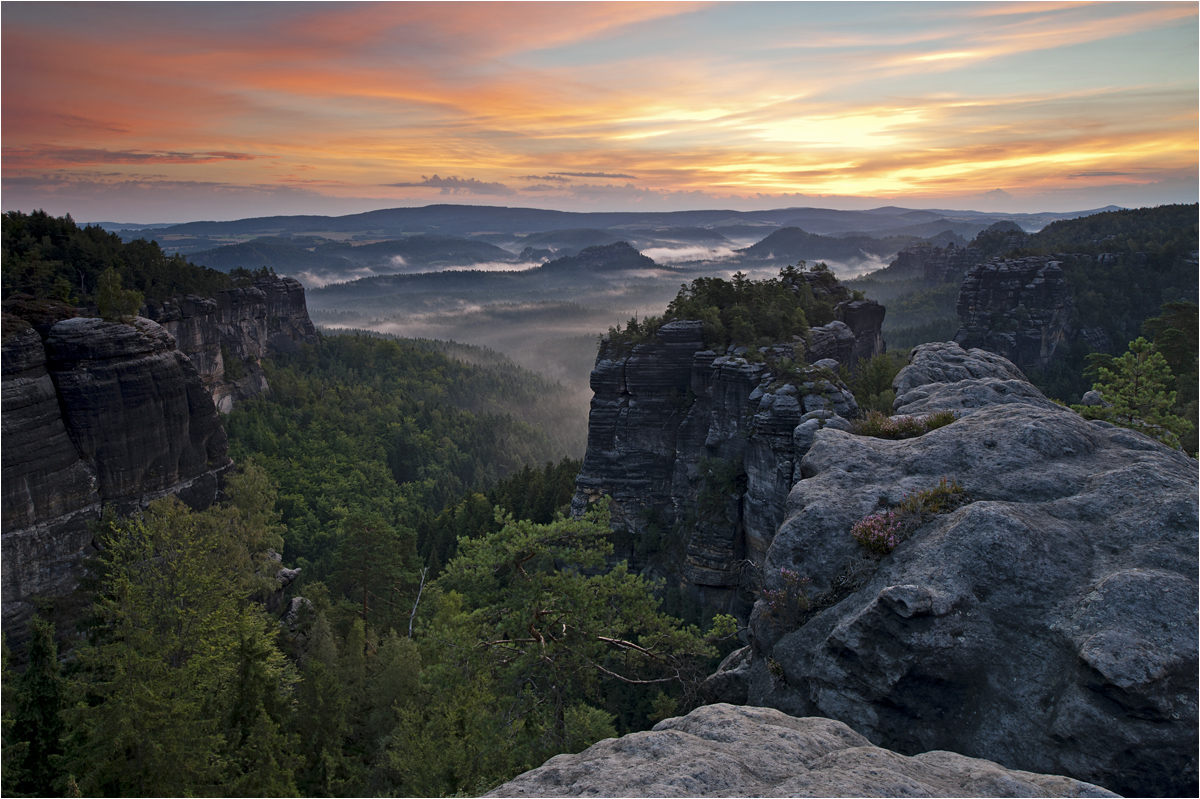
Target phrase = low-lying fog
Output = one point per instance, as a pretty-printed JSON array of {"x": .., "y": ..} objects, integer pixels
[{"x": 548, "y": 324}]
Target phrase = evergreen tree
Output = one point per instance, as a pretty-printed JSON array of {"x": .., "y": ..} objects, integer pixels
[
  {"x": 12, "y": 750},
  {"x": 39, "y": 701},
  {"x": 116, "y": 304},
  {"x": 1135, "y": 388}
]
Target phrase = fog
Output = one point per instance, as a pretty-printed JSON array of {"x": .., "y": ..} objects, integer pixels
[{"x": 396, "y": 265}]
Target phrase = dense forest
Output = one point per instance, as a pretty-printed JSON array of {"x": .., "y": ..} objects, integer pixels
[
  {"x": 47, "y": 257},
  {"x": 455, "y": 629},
  {"x": 449, "y": 626}
]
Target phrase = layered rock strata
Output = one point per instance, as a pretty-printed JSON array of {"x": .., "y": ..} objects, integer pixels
[
  {"x": 934, "y": 265},
  {"x": 1020, "y": 308},
  {"x": 699, "y": 450},
  {"x": 722, "y": 750},
  {"x": 97, "y": 413},
  {"x": 227, "y": 336},
  {"x": 1048, "y": 625}
]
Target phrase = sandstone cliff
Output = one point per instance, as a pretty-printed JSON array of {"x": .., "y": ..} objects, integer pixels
[
  {"x": 1020, "y": 308},
  {"x": 722, "y": 750},
  {"x": 228, "y": 335},
  {"x": 698, "y": 450},
  {"x": 1048, "y": 625},
  {"x": 99, "y": 412}
]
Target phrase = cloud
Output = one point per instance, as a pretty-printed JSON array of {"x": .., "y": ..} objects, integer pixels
[
  {"x": 453, "y": 185},
  {"x": 50, "y": 156},
  {"x": 594, "y": 175},
  {"x": 553, "y": 178}
]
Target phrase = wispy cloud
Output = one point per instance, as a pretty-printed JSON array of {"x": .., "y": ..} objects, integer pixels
[
  {"x": 699, "y": 102},
  {"x": 453, "y": 185}
]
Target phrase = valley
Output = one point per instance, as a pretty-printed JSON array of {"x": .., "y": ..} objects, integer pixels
[{"x": 488, "y": 511}]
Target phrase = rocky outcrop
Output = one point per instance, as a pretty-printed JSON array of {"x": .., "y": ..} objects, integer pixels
[
  {"x": 1020, "y": 308},
  {"x": 97, "y": 413},
  {"x": 698, "y": 450},
  {"x": 722, "y": 750},
  {"x": 933, "y": 265},
  {"x": 1048, "y": 625},
  {"x": 227, "y": 336},
  {"x": 856, "y": 333}
]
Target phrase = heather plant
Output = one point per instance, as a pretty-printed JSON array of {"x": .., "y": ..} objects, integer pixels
[
  {"x": 876, "y": 425},
  {"x": 789, "y": 601},
  {"x": 883, "y": 532}
]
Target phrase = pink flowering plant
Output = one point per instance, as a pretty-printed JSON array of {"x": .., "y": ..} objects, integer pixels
[
  {"x": 879, "y": 532},
  {"x": 790, "y": 600},
  {"x": 882, "y": 532}
]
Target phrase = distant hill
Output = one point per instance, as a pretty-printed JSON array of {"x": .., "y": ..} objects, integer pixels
[
  {"x": 280, "y": 254},
  {"x": 472, "y": 220},
  {"x": 618, "y": 257},
  {"x": 793, "y": 243}
]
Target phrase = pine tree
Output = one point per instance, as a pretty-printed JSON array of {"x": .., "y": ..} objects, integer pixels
[
  {"x": 1135, "y": 388},
  {"x": 39, "y": 701}
]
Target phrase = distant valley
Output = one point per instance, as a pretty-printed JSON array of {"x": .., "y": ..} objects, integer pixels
[{"x": 510, "y": 278}]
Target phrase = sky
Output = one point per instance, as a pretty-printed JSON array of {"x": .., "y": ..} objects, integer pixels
[{"x": 168, "y": 112}]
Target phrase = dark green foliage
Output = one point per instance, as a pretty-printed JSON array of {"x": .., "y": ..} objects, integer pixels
[
  {"x": 182, "y": 688},
  {"x": 374, "y": 562},
  {"x": 52, "y": 257},
  {"x": 744, "y": 312},
  {"x": 871, "y": 381},
  {"x": 531, "y": 614},
  {"x": 40, "y": 698},
  {"x": 362, "y": 423},
  {"x": 114, "y": 303},
  {"x": 1137, "y": 394},
  {"x": 1174, "y": 335}
]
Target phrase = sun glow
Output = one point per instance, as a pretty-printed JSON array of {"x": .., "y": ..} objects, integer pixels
[{"x": 629, "y": 102}]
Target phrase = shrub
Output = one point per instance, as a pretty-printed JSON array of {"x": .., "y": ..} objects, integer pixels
[
  {"x": 883, "y": 532},
  {"x": 876, "y": 425},
  {"x": 790, "y": 601}
]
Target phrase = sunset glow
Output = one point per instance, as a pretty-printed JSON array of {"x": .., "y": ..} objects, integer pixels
[{"x": 167, "y": 112}]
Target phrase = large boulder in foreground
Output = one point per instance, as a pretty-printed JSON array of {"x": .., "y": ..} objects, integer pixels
[
  {"x": 1049, "y": 625},
  {"x": 724, "y": 750}
]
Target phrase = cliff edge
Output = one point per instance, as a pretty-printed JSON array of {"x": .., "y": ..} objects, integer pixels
[
  {"x": 723, "y": 750},
  {"x": 1048, "y": 624},
  {"x": 97, "y": 413}
]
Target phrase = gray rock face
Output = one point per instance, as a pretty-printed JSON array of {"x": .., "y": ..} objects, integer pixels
[
  {"x": 934, "y": 265},
  {"x": 1049, "y": 625},
  {"x": 723, "y": 750},
  {"x": 698, "y": 453},
  {"x": 100, "y": 412},
  {"x": 856, "y": 333},
  {"x": 1020, "y": 308},
  {"x": 242, "y": 324}
]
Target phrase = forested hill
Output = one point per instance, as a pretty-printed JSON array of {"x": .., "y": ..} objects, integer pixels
[{"x": 48, "y": 257}]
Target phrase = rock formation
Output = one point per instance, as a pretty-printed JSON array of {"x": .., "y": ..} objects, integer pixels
[
  {"x": 1020, "y": 308},
  {"x": 1048, "y": 625},
  {"x": 698, "y": 450},
  {"x": 100, "y": 412},
  {"x": 933, "y": 265},
  {"x": 227, "y": 336},
  {"x": 722, "y": 750}
]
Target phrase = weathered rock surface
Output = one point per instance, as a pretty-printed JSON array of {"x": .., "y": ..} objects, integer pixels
[
  {"x": 1049, "y": 625},
  {"x": 698, "y": 450},
  {"x": 723, "y": 750},
  {"x": 1020, "y": 308},
  {"x": 100, "y": 412},
  {"x": 934, "y": 265},
  {"x": 242, "y": 325}
]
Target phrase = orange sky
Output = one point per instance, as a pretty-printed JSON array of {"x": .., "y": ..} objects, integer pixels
[{"x": 167, "y": 112}]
